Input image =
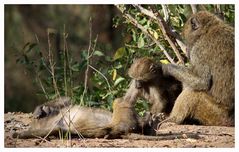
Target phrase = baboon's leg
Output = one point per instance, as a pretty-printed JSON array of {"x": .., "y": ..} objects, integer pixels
[
  {"x": 182, "y": 108},
  {"x": 36, "y": 133},
  {"x": 132, "y": 93},
  {"x": 200, "y": 106},
  {"x": 209, "y": 112},
  {"x": 42, "y": 127}
]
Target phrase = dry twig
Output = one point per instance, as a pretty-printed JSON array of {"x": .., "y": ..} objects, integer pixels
[
  {"x": 52, "y": 63},
  {"x": 194, "y": 8},
  {"x": 88, "y": 62}
]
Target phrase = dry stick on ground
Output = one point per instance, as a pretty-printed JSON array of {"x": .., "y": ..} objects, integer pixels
[
  {"x": 145, "y": 31},
  {"x": 161, "y": 137},
  {"x": 163, "y": 26}
]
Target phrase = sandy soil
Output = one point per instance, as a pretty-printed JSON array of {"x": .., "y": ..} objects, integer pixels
[{"x": 207, "y": 136}]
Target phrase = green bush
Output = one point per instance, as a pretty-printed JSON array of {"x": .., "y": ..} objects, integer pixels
[{"x": 143, "y": 36}]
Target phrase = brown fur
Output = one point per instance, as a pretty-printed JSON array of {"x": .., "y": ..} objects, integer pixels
[
  {"x": 150, "y": 83},
  {"x": 89, "y": 122},
  {"x": 209, "y": 89}
]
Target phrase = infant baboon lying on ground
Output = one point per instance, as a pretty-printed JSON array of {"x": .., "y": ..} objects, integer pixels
[
  {"x": 92, "y": 122},
  {"x": 89, "y": 122}
]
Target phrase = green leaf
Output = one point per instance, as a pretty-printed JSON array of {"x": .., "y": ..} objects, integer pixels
[
  {"x": 156, "y": 36},
  {"x": 107, "y": 58},
  {"x": 143, "y": 21},
  {"x": 141, "y": 42},
  {"x": 119, "y": 53},
  {"x": 134, "y": 35},
  {"x": 105, "y": 96},
  {"x": 182, "y": 17},
  {"x": 78, "y": 66},
  {"x": 114, "y": 74},
  {"x": 98, "y": 53},
  {"x": 119, "y": 66},
  {"x": 118, "y": 80},
  {"x": 148, "y": 24},
  {"x": 75, "y": 67}
]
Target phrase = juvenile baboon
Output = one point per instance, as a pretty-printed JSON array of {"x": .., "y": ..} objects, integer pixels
[
  {"x": 150, "y": 83},
  {"x": 89, "y": 122},
  {"x": 208, "y": 82}
]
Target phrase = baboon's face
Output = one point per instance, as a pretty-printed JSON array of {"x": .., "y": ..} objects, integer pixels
[
  {"x": 143, "y": 70},
  {"x": 196, "y": 26}
]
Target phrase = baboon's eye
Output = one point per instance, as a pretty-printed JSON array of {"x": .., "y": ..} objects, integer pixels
[{"x": 194, "y": 23}]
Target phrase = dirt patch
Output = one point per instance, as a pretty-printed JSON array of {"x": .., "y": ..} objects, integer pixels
[{"x": 209, "y": 136}]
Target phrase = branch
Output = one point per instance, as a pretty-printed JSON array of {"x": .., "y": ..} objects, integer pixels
[
  {"x": 93, "y": 50},
  {"x": 145, "y": 31},
  {"x": 38, "y": 75},
  {"x": 165, "y": 12},
  {"x": 170, "y": 32},
  {"x": 102, "y": 76},
  {"x": 194, "y": 8},
  {"x": 135, "y": 136},
  {"x": 88, "y": 62},
  {"x": 68, "y": 62},
  {"x": 218, "y": 11},
  {"x": 164, "y": 28},
  {"x": 65, "y": 61},
  {"x": 51, "y": 62}
]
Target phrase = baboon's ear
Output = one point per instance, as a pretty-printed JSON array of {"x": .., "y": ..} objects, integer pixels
[{"x": 195, "y": 23}]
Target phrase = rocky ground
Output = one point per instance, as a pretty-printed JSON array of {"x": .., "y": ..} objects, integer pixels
[{"x": 202, "y": 136}]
